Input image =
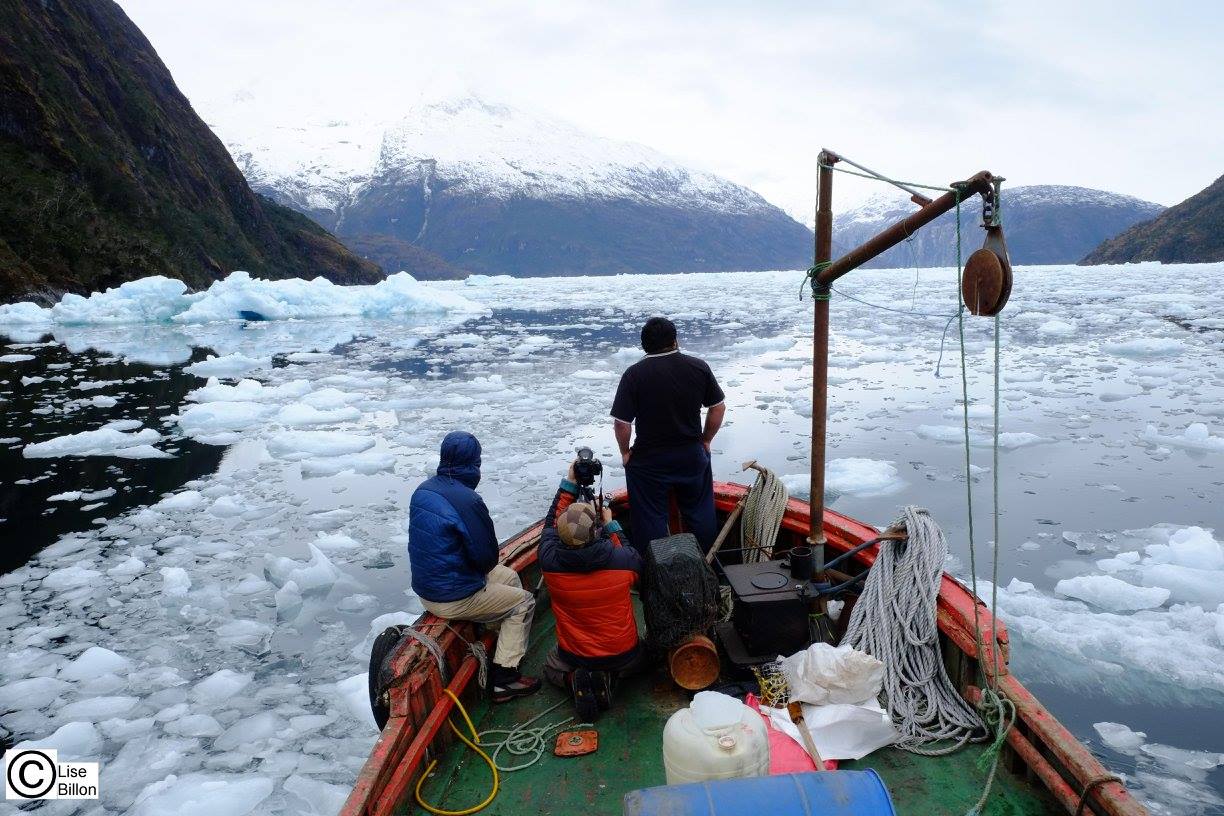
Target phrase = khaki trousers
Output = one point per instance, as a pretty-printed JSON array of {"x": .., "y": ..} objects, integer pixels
[{"x": 503, "y": 605}]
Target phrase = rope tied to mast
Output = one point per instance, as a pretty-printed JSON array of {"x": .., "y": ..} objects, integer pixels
[{"x": 820, "y": 291}]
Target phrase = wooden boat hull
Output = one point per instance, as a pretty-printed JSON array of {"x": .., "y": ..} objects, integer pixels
[{"x": 1040, "y": 748}]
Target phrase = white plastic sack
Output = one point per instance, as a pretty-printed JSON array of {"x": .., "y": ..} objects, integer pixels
[
  {"x": 840, "y": 731},
  {"x": 824, "y": 674}
]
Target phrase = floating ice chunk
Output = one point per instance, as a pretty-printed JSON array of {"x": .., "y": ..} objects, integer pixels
[
  {"x": 1017, "y": 585},
  {"x": 366, "y": 464},
  {"x": 96, "y": 709},
  {"x": 1109, "y": 593},
  {"x": 230, "y": 365},
  {"x": 220, "y": 686},
  {"x": 125, "y": 730},
  {"x": 295, "y": 445},
  {"x": 1194, "y": 547},
  {"x": 70, "y": 578},
  {"x": 354, "y": 696},
  {"x": 1119, "y": 737},
  {"x": 1186, "y": 584},
  {"x": 1145, "y": 347},
  {"x": 248, "y": 635},
  {"x": 15, "y": 358},
  {"x": 26, "y": 313},
  {"x": 1196, "y": 437},
  {"x": 317, "y": 576},
  {"x": 127, "y": 569},
  {"x": 863, "y": 477},
  {"x": 298, "y": 415},
  {"x": 592, "y": 375},
  {"x": 30, "y": 694},
  {"x": 330, "y": 399},
  {"x": 288, "y": 601},
  {"x": 335, "y": 541},
  {"x": 186, "y": 500},
  {"x": 1184, "y": 762},
  {"x": 249, "y": 391},
  {"x": 95, "y": 661},
  {"x": 194, "y": 725},
  {"x": 74, "y": 740},
  {"x": 978, "y": 439},
  {"x": 319, "y": 798},
  {"x": 110, "y": 440},
  {"x": 147, "y": 300},
  {"x": 212, "y": 417},
  {"x": 175, "y": 581},
  {"x": 239, "y": 293},
  {"x": 1056, "y": 328},
  {"x": 250, "y": 729},
  {"x": 758, "y": 345},
  {"x": 200, "y": 794},
  {"x": 227, "y": 507}
]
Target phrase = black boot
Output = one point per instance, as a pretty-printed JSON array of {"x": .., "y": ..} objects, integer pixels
[
  {"x": 510, "y": 683},
  {"x": 582, "y": 686}
]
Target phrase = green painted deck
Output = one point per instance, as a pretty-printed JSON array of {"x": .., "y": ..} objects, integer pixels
[{"x": 630, "y": 756}]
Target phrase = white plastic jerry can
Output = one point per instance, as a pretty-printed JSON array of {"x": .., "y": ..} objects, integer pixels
[{"x": 716, "y": 737}]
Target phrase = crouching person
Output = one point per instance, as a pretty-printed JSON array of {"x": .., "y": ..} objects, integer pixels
[
  {"x": 589, "y": 571},
  {"x": 453, "y": 552}
]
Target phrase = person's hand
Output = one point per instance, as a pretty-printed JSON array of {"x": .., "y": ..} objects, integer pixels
[
  {"x": 625, "y": 457},
  {"x": 706, "y": 444},
  {"x": 569, "y": 474},
  {"x": 606, "y": 515}
]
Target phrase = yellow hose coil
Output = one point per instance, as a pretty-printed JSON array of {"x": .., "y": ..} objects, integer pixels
[{"x": 471, "y": 743}]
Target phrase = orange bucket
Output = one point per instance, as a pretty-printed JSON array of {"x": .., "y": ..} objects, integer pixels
[{"x": 694, "y": 663}]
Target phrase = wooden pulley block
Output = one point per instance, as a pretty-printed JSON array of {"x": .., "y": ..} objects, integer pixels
[{"x": 987, "y": 280}]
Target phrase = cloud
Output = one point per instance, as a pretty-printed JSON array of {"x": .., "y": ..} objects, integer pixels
[{"x": 1120, "y": 96}]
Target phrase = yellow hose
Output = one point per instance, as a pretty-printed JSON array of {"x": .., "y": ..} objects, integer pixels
[{"x": 471, "y": 743}]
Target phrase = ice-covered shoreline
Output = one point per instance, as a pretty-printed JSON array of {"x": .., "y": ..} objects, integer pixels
[{"x": 264, "y": 571}]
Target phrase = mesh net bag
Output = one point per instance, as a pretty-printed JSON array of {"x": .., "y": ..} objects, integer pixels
[{"x": 679, "y": 591}]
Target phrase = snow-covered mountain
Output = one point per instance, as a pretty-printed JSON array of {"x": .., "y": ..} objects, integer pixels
[
  {"x": 493, "y": 189},
  {"x": 1044, "y": 224}
]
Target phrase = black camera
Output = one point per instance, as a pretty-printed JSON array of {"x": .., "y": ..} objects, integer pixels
[{"x": 587, "y": 467}]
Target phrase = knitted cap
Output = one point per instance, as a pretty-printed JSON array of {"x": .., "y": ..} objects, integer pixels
[{"x": 576, "y": 526}]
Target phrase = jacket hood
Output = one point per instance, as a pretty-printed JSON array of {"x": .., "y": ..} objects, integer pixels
[{"x": 460, "y": 458}]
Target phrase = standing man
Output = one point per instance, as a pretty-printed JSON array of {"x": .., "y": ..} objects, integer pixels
[
  {"x": 663, "y": 394},
  {"x": 453, "y": 553}
]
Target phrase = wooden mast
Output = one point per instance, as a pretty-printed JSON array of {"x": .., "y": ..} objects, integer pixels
[{"x": 823, "y": 274}]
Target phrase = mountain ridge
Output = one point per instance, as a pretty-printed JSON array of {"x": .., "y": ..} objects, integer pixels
[
  {"x": 493, "y": 189},
  {"x": 1043, "y": 224},
  {"x": 1189, "y": 232}
]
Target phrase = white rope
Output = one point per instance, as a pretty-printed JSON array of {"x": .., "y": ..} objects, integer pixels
[
  {"x": 764, "y": 507},
  {"x": 475, "y": 648},
  {"x": 894, "y": 621}
]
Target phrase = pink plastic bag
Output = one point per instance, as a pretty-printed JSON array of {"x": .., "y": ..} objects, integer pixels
[{"x": 785, "y": 755}]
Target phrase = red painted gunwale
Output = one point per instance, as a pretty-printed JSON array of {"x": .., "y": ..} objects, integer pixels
[{"x": 1052, "y": 755}]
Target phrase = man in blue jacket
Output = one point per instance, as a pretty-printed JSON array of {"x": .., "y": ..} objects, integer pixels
[{"x": 453, "y": 552}]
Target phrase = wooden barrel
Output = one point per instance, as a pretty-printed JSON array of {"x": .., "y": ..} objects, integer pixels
[{"x": 694, "y": 663}]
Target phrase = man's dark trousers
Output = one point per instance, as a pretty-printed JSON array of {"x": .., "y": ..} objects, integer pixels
[{"x": 653, "y": 474}]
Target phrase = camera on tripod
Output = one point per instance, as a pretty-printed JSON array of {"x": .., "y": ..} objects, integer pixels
[{"x": 587, "y": 467}]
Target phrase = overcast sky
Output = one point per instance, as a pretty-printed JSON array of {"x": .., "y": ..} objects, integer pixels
[{"x": 1123, "y": 96}]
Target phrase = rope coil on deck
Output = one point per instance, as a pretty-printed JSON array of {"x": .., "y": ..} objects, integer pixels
[
  {"x": 764, "y": 507},
  {"x": 894, "y": 621}
]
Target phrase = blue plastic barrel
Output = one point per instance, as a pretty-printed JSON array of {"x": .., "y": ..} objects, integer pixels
[{"x": 825, "y": 793}]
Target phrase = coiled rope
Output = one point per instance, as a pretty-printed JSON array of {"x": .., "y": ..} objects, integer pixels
[
  {"x": 522, "y": 740},
  {"x": 894, "y": 621},
  {"x": 764, "y": 507}
]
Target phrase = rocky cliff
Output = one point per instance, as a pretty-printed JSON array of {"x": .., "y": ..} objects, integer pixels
[{"x": 108, "y": 174}]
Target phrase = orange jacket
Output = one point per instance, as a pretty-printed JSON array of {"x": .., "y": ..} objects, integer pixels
[{"x": 589, "y": 587}]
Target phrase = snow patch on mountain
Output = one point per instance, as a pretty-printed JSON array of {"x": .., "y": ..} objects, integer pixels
[{"x": 468, "y": 144}]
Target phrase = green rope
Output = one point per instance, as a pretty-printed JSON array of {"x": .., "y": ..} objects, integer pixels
[
  {"x": 998, "y": 712},
  {"x": 810, "y": 278},
  {"x": 894, "y": 182}
]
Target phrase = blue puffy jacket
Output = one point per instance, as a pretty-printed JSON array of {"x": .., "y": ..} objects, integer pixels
[{"x": 451, "y": 541}]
